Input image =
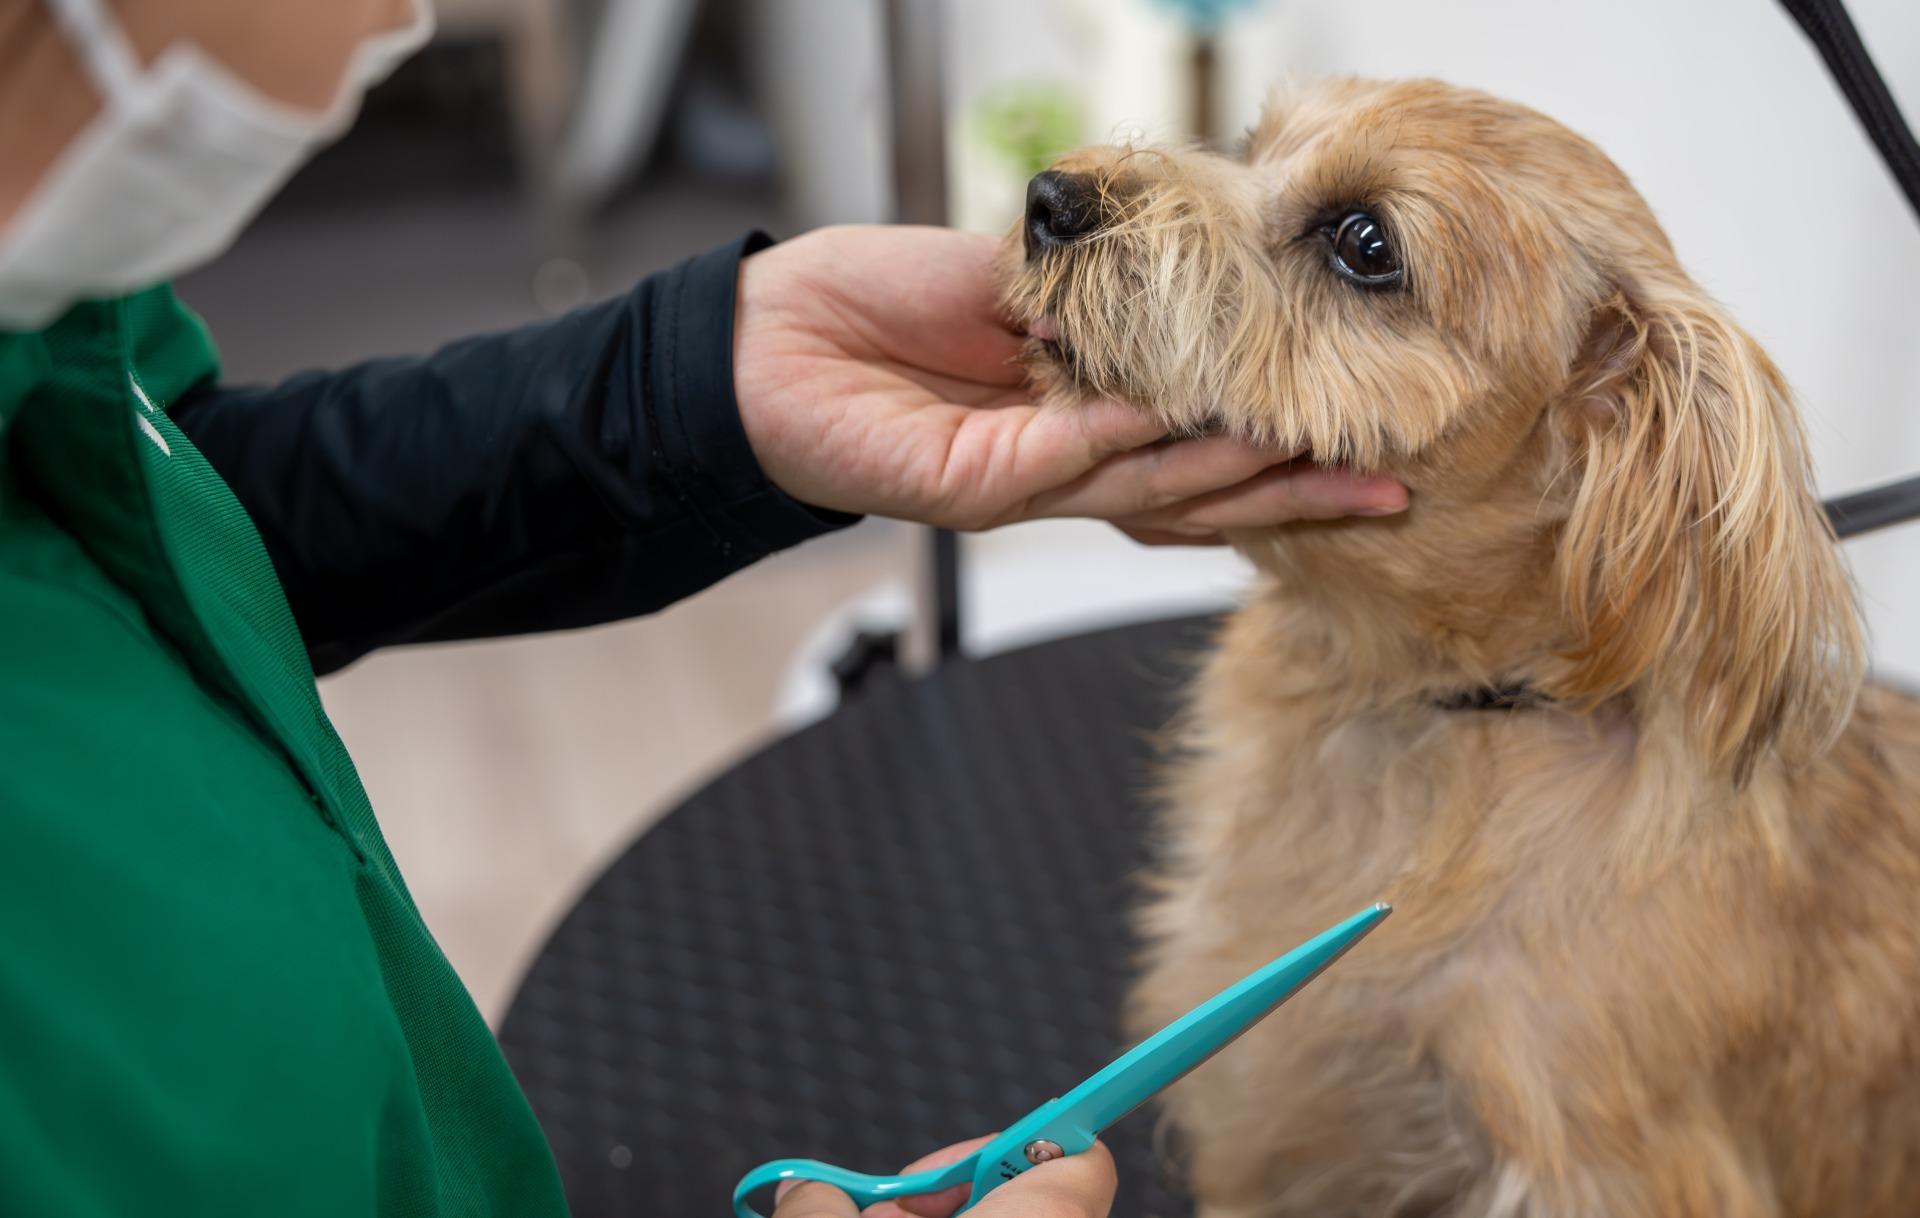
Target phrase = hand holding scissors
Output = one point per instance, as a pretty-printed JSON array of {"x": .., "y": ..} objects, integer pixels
[
  {"x": 1079, "y": 1186},
  {"x": 1070, "y": 1124}
]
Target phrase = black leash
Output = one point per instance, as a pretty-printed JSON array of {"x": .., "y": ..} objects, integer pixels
[
  {"x": 1832, "y": 33},
  {"x": 1865, "y": 511}
]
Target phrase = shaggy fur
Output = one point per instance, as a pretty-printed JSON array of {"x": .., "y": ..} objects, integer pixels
[{"x": 1655, "y": 949}]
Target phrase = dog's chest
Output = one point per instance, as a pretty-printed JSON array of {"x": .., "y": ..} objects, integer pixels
[
  {"x": 1350, "y": 1099},
  {"x": 1353, "y": 1089}
]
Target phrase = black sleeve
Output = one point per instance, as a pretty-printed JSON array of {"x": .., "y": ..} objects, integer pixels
[{"x": 563, "y": 474}]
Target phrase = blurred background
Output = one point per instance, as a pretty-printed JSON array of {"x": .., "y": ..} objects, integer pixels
[{"x": 543, "y": 153}]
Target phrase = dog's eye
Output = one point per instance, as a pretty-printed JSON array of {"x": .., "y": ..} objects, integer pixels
[{"x": 1361, "y": 251}]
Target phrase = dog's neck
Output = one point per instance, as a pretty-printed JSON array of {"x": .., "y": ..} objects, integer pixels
[
  {"x": 1378, "y": 709},
  {"x": 1477, "y": 632}
]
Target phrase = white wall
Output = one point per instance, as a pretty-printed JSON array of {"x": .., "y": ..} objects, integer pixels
[{"x": 1725, "y": 119}]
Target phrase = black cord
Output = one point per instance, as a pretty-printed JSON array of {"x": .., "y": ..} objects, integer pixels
[
  {"x": 1876, "y": 508},
  {"x": 1833, "y": 34}
]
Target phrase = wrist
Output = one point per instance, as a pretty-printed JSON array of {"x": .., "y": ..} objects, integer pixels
[
  {"x": 763, "y": 384},
  {"x": 693, "y": 425}
]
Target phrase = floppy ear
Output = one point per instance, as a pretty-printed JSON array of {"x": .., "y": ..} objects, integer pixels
[{"x": 1696, "y": 564}]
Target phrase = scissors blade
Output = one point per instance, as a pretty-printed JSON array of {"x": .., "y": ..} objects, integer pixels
[{"x": 1162, "y": 1059}]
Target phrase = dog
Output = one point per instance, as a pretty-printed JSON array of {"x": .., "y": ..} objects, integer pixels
[{"x": 1591, "y": 712}]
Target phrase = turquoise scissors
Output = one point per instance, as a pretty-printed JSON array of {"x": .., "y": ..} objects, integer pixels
[{"x": 1069, "y": 1124}]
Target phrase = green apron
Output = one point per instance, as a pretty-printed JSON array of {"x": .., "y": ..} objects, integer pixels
[{"x": 216, "y": 996}]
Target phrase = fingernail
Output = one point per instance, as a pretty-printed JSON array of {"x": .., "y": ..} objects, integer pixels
[
  {"x": 1382, "y": 509},
  {"x": 786, "y": 1186}
]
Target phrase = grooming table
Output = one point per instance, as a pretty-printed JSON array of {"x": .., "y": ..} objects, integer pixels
[{"x": 897, "y": 928}]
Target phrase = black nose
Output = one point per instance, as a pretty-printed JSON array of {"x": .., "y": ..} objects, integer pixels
[{"x": 1061, "y": 208}]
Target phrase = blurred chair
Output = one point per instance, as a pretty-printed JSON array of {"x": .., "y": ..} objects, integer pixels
[
  {"x": 542, "y": 79},
  {"x": 622, "y": 98}
]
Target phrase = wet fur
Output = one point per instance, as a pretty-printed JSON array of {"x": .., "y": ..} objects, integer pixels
[{"x": 1655, "y": 949}]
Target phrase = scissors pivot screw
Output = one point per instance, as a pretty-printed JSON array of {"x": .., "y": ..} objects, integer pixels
[{"x": 1042, "y": 1151}]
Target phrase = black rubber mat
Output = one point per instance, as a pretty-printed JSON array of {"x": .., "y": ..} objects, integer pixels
[{"x": 900, "y": 927}]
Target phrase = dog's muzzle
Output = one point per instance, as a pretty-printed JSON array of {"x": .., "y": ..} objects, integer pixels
[{"x": 1061, "y": 209}]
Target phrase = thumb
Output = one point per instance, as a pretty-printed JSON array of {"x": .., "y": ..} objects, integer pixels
[{"x": 1077, "y": 1186}]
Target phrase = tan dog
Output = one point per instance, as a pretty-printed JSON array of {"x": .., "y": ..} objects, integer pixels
[{"x": 1657, "y": 948}]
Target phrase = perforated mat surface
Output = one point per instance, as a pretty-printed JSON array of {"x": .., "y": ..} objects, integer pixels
[{"x": 900, "y": 927}]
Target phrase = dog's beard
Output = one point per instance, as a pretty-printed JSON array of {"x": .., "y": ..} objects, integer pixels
[
  {"x": 1078, "y": 303},
  {"x": 1161, "y": 309},
  {"x": 1132, "y": 313}
]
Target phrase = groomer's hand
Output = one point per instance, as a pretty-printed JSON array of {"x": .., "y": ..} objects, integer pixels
[
  {"x": 875, "y": 375},
  {"x": 1078, "y": 1186}
]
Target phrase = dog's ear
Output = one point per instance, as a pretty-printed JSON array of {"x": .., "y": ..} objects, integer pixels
[{"x": 1696, "y": 565}]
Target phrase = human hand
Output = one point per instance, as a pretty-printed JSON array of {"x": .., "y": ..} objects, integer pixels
[
  {"x": 875, "y": 374},
  {"x": 1078, "y": 1186}
]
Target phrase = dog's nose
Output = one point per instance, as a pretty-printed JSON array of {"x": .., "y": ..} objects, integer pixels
[{"x": 1061, "y": 208}]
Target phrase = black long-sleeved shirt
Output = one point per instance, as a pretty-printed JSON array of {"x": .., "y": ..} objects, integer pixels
[{"x": 562, "y": 474}]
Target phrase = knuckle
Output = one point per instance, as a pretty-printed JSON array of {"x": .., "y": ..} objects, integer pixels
[
  {"x": 1159, "y": 491},
  {"x": 1284, "y": 494}
]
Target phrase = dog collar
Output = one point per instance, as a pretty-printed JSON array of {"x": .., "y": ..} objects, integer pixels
[{"x": 1492, "y": 698}]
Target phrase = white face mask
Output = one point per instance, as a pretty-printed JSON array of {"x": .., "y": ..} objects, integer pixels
[{"x": 181, "y": 156}]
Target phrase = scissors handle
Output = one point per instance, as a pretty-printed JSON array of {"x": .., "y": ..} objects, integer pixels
[
  {"x": 864, "y": 1189},
  {"x": 1069, "y": 1124}
]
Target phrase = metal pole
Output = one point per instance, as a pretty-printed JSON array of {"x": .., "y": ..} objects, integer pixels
[{"x": 916, "y": 81}]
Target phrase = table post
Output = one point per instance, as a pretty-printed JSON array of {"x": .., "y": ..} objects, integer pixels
[{"x": 916, "y": 82}]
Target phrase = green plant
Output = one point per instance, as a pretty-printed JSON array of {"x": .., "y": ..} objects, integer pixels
[{"x": 1029, "y": 123}]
